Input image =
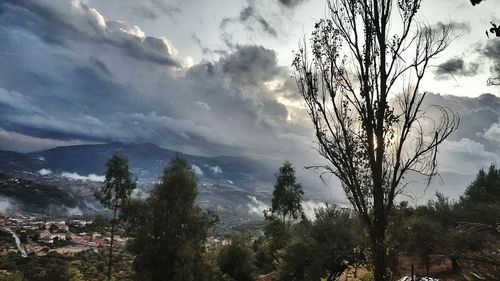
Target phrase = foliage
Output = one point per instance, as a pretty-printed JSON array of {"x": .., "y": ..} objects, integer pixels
[
  {"x": 485, "y": 188},
  {"x": 326, "y": 245},
  {"x": 118, "y": 187},
  {"x": 87, "y": 265},
  {"x": 119, "y": 182},
  {"x": 236, "y": 260},
  {"x": 360, "y": 57},
  {"x": 287, "y": 195},
  {"x": 167, "y": 229}
]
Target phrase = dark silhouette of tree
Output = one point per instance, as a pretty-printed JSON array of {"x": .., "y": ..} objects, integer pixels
[
  {"x": 117, "y": 188},
  {"x": 495, "y": 30},
  {"x": 323, "y": 247},
  {"x": 236, "y": 259},
  {"x": 361, "y": 86},
  {"x": 475, "y": 2},
  {"x": 168, "y": 229},
  {"x": 287, "y": 196},
  {"x": 485, "y": 188}
]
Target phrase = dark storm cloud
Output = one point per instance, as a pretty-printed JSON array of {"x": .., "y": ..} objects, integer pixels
[
  {"x": 150, "y": 9},
  {"x": 250, "y": 64},
  {"x": 472, "y": 146},
  {"x": 249, "y": 16},
  {"x": 455, "y": 67},
  {"x": 291, "y": 3},
  {"x": 63, "y": 25},
  {"x": 456, "y": 27},
  {"x": 164, "y": 6},
  {"x": 476, "y": 114},
  {"x": 93, "y": 81},
  {"x": 492, "y": 52}
]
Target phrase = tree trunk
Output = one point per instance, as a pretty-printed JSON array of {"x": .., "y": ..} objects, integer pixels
[
  {"x": 427, "y": 265},
  {"x": 454, "y": 263},
  {"x": 111, "y": 243},
  {"x": 379, "y": 262},
  {"x": 378, "y": 248}
]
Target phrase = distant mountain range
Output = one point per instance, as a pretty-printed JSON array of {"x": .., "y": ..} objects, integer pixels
[
  {"x": 239, "y": 188},
  {"x": 236, "y": 187},
  {"x": 146, "y": 160}
]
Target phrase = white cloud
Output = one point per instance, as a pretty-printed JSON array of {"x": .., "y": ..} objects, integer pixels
[
  {"x": 203, "y": 105},
  {"x": 216, "y": 169},
  {"x": 76, "y": 211},
  {"x": 310, "y": 208},
  {"x": 45, "y": 172},
  {"x": 464, "y": 157},
  {"x": 256, "y": 207},
  {"x": 6, "y": 205},
  {"x": 493, "y": 133},
  {"x": 76, "y": 176},
  {"x": 197, "y": 170}
]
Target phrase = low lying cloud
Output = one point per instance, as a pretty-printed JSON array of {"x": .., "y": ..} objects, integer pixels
[
  {"x": 76, "y": 211},
  {"x": 256, "y": 207},
  {"x": 76, "y": 176},
  {"x": 197, "y": 170},
  {"x": 215, "y": 169},
  {"x": 44, "y": 172},
  {"x": 310, "y": 207},
  {"x": 6, "y": 205}
]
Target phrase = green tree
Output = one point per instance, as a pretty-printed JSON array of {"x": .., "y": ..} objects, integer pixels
[
  {"x": 424, "y": 238},
  {"x": 117, "y": 188},
  {"x": 236, "y": 260},
  {"x": 360, "y": 81},
  {"x": 325, "y": 246},
  {"x": 287, "y": 196},
  {"x": 485, "y": 188},
  {"x": 168, "y": 229}
]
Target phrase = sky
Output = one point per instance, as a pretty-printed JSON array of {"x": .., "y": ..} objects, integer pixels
[{"x": 210, "y": 77}]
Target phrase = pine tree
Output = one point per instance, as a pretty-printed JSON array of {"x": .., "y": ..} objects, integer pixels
[
  {"x": 117, "y": 188},
  {"x": 287, "y": 196},
  {"x": 168, "y": 229}
]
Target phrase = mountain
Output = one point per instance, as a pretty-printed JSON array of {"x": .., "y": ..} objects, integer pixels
[
  {"x": 15, "y": 161},
  {"x": 18, "y": 194},
  {"x": 233, "y": 186},
  {"x": 238, "y": 188},
  {"x": 147, "y": 161}
]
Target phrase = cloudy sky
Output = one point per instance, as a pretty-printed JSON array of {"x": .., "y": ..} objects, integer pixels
[{"x": 209, "y": 77}]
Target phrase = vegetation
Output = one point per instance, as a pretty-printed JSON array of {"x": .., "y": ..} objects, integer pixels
[
  {"x": 237, "y": 260},
  {"x": 87, "y": 265},
  {"x": 168, "y": 235},
  {"x": 168, "y": 229},
  {"x": 369, "y": 132},
  {"x": 117, "y": 189}
]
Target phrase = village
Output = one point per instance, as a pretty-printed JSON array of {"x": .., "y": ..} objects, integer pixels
[
  {"x": 65, "y": 236},
  {"x": 40, "y": 235}
]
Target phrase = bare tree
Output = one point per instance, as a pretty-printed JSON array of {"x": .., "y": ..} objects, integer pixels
[{"x": 360, "y": 81}]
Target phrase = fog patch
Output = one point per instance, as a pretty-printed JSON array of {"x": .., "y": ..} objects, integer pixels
[
  {"x": 6, "y": 205},
  {"x": 45, "y": 172},
  {"x": 309, "y": 207},
  {"x": 197, "y": 170},
  {"x": 256, "y": 207},
  {"x": 216, "y": 169},
  {"x": 76, "y": 176},
  {"x": 76, "y": 211}
]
